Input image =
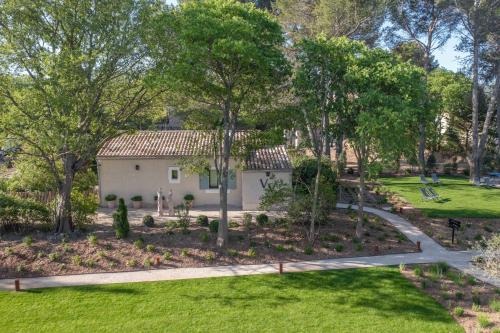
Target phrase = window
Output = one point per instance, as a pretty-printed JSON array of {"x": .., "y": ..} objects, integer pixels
[
  {"x": 212, "y": 179},
  {"x": 174, "y": 175}
]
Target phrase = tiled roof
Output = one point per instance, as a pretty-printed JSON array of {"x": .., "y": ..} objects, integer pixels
[{"x": 161, "y": 144}]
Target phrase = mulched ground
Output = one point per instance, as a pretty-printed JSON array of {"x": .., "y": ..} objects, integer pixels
[
  {"x": 453, "y": 289},
  {"x": 164, "y": 247}
]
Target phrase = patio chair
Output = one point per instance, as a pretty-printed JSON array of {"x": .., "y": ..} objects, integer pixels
[
  {"x": 432, "y": 193},
  {"x": 425, "y": 194},
  {"x": 423, "y": 180},
  {"x": 435, "y": 179}
]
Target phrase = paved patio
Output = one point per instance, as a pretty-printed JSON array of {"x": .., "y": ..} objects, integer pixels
[{"x": 431, "y": 252}]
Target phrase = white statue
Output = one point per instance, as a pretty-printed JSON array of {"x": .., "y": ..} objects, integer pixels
[
  {"x": 159, "y": 195},
  {"x": 170, "y": 203}
]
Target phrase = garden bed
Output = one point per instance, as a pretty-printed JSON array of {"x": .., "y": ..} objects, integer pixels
[
  {"x": 97, "y": 249},
  {"x": 474, "y": 304}
]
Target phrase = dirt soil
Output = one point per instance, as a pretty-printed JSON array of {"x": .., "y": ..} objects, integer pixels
[
  {"x": 167, "y": 247},
  {"x": 453, "y": 289}
]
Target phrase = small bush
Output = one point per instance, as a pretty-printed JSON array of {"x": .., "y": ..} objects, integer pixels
[
  {"x": 279, "y": 248},
  {"x": 359, "y": 247},
  {"x": 92, "y": 239},
  {"x": 148, "y": 262},
  {"x": 110, "y": 197},
  {"x": 184, "y": 252},
  {"x": 459, "y": 295},
  {"x": 233, "y": 224},
  {"x": 308, "y": 250},
  {"x": 101, "y": 254},
  {"x": 339, "y": 247},
  {"x": 476, "y": 307},
  {"x": 495, "y": 305},
  {"x": 476, "y": 299},
  {"x": 247, "y": 219},
  {"x": 262, "y": 219},
  {"x": 28, "y": 241},
  {"x": 458, "y": 311},
  {"x": 330, "y": 238},
  {"x": 202, "y": 220},
  {"x": 167, "y": 255},
  {"x": 210, "y": 256},
  {"x": 76, "y": 260},
  {"x": 214, "y": 226},
  {"x": 251, "y": 252},
  {"x": 189, "y": 197},
  {"x": 418, "y": 271},
  {"x": 471, "y": 280},
  {"x": 120, "y": 220},
  {"x": 90, "y": 263},
  {"x": 139, "y": 243},
  {"x": 232, "y": 252},
  {"x": 424, "y": 284},
  {"x": 150, "y": 248},
  {"x": 136, "y": 198},
  {"x": 131, "y": 263},
  {"x": 483, "y": 320},
  {"x": 20, "y": 215},
  {"x": 148, "y": 221},
  {"x": 54, "y": 256},
  {"x": 8, "y": 251}
]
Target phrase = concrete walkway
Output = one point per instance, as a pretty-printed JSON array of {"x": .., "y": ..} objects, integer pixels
[{"x": 431, "y": 252}]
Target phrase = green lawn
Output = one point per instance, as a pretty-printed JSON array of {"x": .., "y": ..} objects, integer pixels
[
  {"x": 363, "y": 300},
  {"x": 458, "y": 197}
]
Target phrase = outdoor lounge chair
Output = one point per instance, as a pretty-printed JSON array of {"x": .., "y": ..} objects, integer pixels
[
  {"x": 423, "y": 180},
  {"x": 432, "y": 192},
  {"x": 435, "y": 179},
  {"x": 425, "y": 194}
]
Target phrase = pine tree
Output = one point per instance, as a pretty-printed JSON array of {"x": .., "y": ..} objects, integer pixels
[{"x": 120, "y": 220}]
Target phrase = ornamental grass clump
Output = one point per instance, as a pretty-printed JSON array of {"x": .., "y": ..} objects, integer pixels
[{"x": 120, "y": 220}]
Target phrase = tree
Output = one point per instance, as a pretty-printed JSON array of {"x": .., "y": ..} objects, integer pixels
[
  {"x": 382, "y": 113},
  {"x": 70, "y": 79},
  {"x": 427, "y": 24},
  {"x": 479, "y": 19},
  {"x": 229, "y": 62},
  {"x": 120, "y": 220},
  {"x": 412, "y": 52}
]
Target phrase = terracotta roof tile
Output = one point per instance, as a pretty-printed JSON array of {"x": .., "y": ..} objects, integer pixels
[{"x": 176, "y": 143}]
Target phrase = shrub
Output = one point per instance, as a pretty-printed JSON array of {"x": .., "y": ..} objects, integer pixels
[
  {"x": 251, "y": 252},
  {"x": 148, "y": 221},
  {"x": 402, "y": 267},
  {"x": 471, "y": 280},
  {"x": 76, "y": 260},
  {"x": 204, "y": 237},
  {"x": 424, "y": 284},
  {"x": 54, "y": 256},
  {"x": 459, "y": 295},
  {"x": 131, "y": 263},
  {"x": 139, "y": 243},
  {"x": 233, "y": 224},
  {"x": 210, "y": 256},
  {"x": 90, "y": 263},
  {"x": 110, "y": 197},
  {"x": 476, "y": 299},
  {"x": 458, "y": 311},
  {"x": 418, "y": 271},
  {"x": 101, "y": 254},
  {"x": 308, "y": 250},
  {"x": 189, "y": 197},
  {"x": 483, "y": 320},
  {"x": 167, "y": 255},
  {"x": 476, "y": 307},
  {"x": 495, "y": 305},
  {"x": 339, "y": 247},
  {"x": 202, "y": 220},
  {"x": 150, "y": 248},
  {"x": 148, "y": 262},
  {"x": 214, "y": 226},
  {"x": 8, "y": 251},
  {"x": 232, "y": 252},
  {"x": 136, "y": 198},
  {"x": 247, "y": 219},
  {"x": 184, "y": 252},
  {"x": 28, "y": 240},
  {"x": 359, "y": 247},
  {"x": 120, "y": 220},
  {"x": 20, "y": 215},
  {"x": 279, "y": 248},
  {"x": 92, "y": 239},
  {"x": 262, "y": 219},
  {"x": 84, "y": 208}
]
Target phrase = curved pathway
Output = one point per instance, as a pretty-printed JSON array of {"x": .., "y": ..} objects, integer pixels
[{"x": 431, "y": 252}]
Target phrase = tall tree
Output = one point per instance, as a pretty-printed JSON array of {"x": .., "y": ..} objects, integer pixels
[
  {"x": 229, "y": 61},
  {"x": 428, "y": 24},
  {"x": 71, "y": 79},
  {"x": 382, "y": 113},
  {"x": 354, "y": 19},
  {"x": 479, "y": 19}
]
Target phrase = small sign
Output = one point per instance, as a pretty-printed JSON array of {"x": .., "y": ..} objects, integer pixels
[{"x": 454, "y": 225}]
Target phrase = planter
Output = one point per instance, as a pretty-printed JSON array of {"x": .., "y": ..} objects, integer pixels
[
  {"x": 111, "y": 204},
  {"x": 188, "y": 203},
  {"x": 137, "y": 204}
]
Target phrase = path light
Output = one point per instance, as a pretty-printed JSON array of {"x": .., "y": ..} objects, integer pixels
[
  {"x": 418, "y": 246},
  {"x": 157, "y": 261},
  {"x": 17, "y": 285},
  {"x": 281, "y": 268}
]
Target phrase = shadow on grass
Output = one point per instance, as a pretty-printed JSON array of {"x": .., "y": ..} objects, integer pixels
[{"x": 110, "y": 289}]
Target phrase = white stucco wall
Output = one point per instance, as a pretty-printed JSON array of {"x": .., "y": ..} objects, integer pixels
[
  {"x": 120, "y": 177},
  {"x": 254, "y": 183}
]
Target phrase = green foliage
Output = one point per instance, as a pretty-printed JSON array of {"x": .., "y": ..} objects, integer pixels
[
  {"x": 92, "y": 239},
  {"x": 139, "y": 243},
  {"x": 84, "y": 208},
  {"x": 132, "y": 263},
  {"x": 136, "y": 198},
  {"x": 247, "y": 219},
  {"x": 495, "y": 305},
  {"x": 252, "y": 253},
  {"x": 28, "y": 241},
  {"x": 148, "y": 221},
  {"x": 232, "y": 252},
  {"x": 120, "y": 220},
  {"x": 204, "y": 237},
  {"x": 202, "y": 220},
  {"x": 210, "y": 256},
  {"x": 110, "y": 197},
  {"x": 262, "y": 219},
  {"x": 167, "y": 255},
  {"x": 189, "y": 197},
  {"x": 483, "y": 320},
  {"x": 76, "y": 260},
  {"x": 339, "y": 247},
  {"x": 184, "y": 252},
  {"x": 458, "y": 311},
  {"x": 418, "y": 271},
  {"x": 21, "y": 215},
  {"x": 214, "y": 226},
  {"x": 308, "y": 250},
  {"x": 150, "y": 248}
]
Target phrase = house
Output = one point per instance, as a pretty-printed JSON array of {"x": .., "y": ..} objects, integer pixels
[{"x": 141, "y": 163}]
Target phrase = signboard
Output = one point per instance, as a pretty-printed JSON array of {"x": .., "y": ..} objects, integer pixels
[{"x": 454, "y": 225}]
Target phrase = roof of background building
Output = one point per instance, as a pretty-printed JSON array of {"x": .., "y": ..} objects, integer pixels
[{"x": 183, "y": 143}]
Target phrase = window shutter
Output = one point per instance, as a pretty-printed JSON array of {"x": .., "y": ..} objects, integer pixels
[
  {"x": 204, "y": 181},
  {"x": 231, "y": 181}
]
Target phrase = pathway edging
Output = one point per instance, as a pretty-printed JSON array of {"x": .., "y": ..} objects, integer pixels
[{"x": 431, "y": 252}]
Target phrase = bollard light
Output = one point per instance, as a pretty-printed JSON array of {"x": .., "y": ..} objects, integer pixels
[
  {"x": 17, "y": 285},
  {"x": 281, "y": 268},
  {"x": 419, "y": 248}
]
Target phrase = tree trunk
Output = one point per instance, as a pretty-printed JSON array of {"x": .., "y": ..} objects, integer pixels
[
  {"x": 222, "y": 234},
  {"x": 475, "y": 171},
  {"x": 421, "y": 146},
  {"x": 497, "y": 141},
  {"x": 361, "y": 198},
  {"x": 325, "y": 124},
  {"x": 339, "y": 149},
  {"x": 311, "y": 237},
  {"x": 63, "y": 218}
]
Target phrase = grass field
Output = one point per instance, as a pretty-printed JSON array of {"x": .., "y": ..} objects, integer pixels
[
  {"x": 458, "y": 197},
  {"x": 363, "y": 300}
]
